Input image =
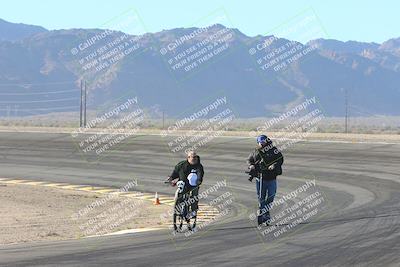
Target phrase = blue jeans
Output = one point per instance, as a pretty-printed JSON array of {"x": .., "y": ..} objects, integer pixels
[{"x": 264, "y": 188}]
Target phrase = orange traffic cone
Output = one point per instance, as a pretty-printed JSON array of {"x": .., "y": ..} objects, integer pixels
[{"x": 157, "y": 200}]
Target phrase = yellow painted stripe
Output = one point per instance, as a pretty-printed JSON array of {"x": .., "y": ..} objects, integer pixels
[
  {"x": 127, "y": 193},
  {"x": 105, "y": 190},
  {"x": 34, "y": 183},
  {"x": 115, "y": 193},
  {"x": 69, "y": 186},
  {"x": 8, "y": 182},
  {"x": 15, "y": 181},
  {"x": 143, "y": 196},
  {"x": 147, "y": 197},
  {"x": 166, "y": 199},
  {"x": 131, "y": 195},
  {"x": 206, "y": 216},
  {"x": 88, "y": 188},
  {"x": 53, "y": 185},
  {"x": 134, "y": 195},
  {"x": 206, "y": 213}
]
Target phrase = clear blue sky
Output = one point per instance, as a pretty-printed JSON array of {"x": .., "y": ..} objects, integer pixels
[{"x": 343, "y": 20}]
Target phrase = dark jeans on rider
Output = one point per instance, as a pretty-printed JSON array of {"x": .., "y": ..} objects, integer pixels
[
  {"x": 194, "y": 194},
  {"x": 266, "y": 190}
]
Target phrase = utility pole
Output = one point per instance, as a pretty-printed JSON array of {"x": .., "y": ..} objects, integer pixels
[
  {"x": 346, "y": 101},
  {"x": 81, "y": 110},
  {"x": 163, "y": 119},
  {"x": 84, "y": 117}
]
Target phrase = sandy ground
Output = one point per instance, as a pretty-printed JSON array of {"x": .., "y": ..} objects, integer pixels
[
  {"x": 34, "y": 213},
  {"x": 350, "y": 137}
]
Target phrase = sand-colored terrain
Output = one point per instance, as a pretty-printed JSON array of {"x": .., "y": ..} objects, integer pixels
[
  {"x": 311, "y": 136},
  {"x": 34, "y": 213}
]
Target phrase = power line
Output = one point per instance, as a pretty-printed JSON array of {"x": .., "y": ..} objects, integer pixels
[
  {"x": 39, "y": 109},
  {"x": 33, "y": 84},
  {"x": 38, "y": 101},
  {"x": 40, "y": 93}
]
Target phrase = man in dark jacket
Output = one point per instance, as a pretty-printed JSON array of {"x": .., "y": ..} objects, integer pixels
[
  {"x": 191, "y": 172},
  {"x": 265, "y": 163}
]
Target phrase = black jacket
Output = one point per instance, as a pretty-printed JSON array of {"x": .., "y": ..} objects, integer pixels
[
  {"x": 183, "y": 169},
  {"x": 264, "y": 157}
]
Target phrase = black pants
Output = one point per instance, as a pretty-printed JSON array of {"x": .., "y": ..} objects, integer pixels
[{"x": 194, "y": 193}]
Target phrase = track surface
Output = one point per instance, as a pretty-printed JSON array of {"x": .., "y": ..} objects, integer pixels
[{"x": 360, "y": 224}]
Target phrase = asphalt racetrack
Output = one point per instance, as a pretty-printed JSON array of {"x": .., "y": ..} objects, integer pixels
[{"x": 356, "y": 224}]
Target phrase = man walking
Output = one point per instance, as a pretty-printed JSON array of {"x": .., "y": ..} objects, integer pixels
[{"x": 265, "y": 163}]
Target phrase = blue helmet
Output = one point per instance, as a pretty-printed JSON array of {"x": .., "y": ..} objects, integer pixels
[{"x": 262, "y": 139}]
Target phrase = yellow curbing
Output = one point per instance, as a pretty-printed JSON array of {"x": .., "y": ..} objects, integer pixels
[{"x": 206, "y": 213}]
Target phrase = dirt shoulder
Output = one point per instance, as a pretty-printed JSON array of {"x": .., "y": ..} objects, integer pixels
[
  {"x": 311, "y": 136},
  {"x": 35, "y": 213}
]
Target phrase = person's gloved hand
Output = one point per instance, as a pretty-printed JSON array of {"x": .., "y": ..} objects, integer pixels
[
  {"x": 271, "y": 167},
  {"x": 170, "y": 181},
  {"x": 250, "y": 172}
]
